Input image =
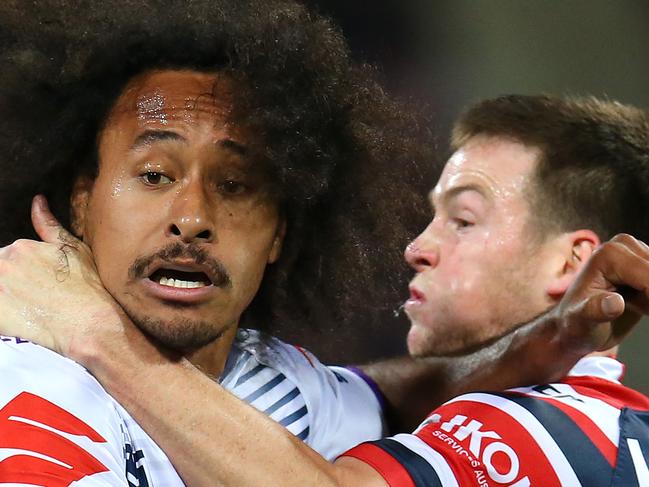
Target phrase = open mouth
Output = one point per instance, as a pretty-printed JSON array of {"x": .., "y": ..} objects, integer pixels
[
  {"x": 416, "y": 295},
  {"x": 180, "y": 279}
]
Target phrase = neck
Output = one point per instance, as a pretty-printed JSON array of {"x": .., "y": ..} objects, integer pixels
[{"x": 211, "y": 358}]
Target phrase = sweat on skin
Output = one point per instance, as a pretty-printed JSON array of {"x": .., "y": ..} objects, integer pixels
[{"x": 177, "y": 182}]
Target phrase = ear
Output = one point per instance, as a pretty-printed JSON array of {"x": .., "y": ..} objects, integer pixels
[
  {"x": 276, "y": 249},
  {"x": 79, "y": 204},
  {"x": 578, "y": 248}
]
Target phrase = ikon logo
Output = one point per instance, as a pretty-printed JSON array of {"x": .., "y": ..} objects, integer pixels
[
  {"x": 486, "y": 450},
  {"x": 32, "y": 453}
]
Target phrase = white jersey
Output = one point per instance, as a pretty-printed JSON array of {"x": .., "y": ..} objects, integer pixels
[
  {"x": 588, "y": 430},
  {"x": 59, "y": 427}
]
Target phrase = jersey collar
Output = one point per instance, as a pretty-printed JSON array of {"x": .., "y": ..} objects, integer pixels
[{"x": 603, "y": 367}]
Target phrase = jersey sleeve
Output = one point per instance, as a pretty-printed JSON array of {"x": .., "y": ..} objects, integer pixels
[
  {"x": 499, "y": 439},
  {"x": 57, "y": 425},
  {"x": 348, "y": 410},
  {"x": 333, "y": 408},
  {"x": 343, "y": 409}
]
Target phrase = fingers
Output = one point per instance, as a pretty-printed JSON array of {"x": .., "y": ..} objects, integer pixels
[
  {"x": 47, "y": 226},
  {"x": 637, "y": 301},
  {"x": 624, "y": 261},
  {"x": 612, "y": 293},
  {"x": 622, "y": 264}
]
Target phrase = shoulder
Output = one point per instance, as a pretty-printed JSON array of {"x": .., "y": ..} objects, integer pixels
[
  {"x": 270, "y": 375},
  {"x": 59, "y": 410},
  {"x": 274, "y": 353},
  {"x": 330, "y": 408},
  {"x": 555, "y": 434},
  {"x": 548, "y": 435},
  {"x": 53, "y": 411},
  {"x": 296, "y": 363},
  {"x": 25, "y": 365},
  {"x": 262, "y": 356},
  {"x": 258, "y": 355}
]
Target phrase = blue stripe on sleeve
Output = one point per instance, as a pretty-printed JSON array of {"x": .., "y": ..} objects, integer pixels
[
  {"x": 292, "y": 418},
  {"x": 634, "y": 425},
  {"x": 303, "y": 434},
  {"x": 265, "y": 388},
  {"x": 249, "y": 374},
  {"x": 284, "y": 400},
  {"x": 421, "y": 472}
]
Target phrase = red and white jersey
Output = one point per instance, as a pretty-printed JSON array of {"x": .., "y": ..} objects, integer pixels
[
  {"x": 588, "y": 430},
  {"x": 59, "y": 427}
]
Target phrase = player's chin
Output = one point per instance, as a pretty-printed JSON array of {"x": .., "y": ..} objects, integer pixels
[
  {"x": 181, "y": 334},
  {"x": 419, "y": 341},
  {"x": 437, "y": 341}
]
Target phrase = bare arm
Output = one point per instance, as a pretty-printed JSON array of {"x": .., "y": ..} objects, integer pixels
[
  {"x": 413, "y": 387},
  {"x": 533, "y": 353},
  {"x": 212, "y": 437}
]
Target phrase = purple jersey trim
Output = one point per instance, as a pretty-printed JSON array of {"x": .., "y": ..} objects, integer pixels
[{"x": 373, "y": 385}]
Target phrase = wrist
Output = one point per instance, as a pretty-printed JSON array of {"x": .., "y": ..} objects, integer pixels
[
  {"x": 103, "y": 339},
  {"x": 541, "y": 347},
  {"x": 569, "y": 339}
]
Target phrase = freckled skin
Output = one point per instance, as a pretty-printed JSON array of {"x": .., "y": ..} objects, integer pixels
[
  {"x": 130, "y": 211},
  {"x": 478, "y": 266}
]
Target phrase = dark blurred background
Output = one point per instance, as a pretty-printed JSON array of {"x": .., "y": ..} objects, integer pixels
[{"x": 447, "y": 54}]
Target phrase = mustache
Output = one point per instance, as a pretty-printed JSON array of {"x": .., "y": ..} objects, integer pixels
[{"x": 218, "y": 272}]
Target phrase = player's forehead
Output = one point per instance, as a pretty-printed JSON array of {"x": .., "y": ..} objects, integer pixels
[
  {"x": 167, "y": 97},
  {"x": 496, "y": 167}
]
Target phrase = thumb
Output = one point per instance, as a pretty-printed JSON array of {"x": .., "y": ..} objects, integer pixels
[
  {"x": 605, "y": 306},
  {"x": 592, "y": 326},
  {"x": 601, "y": 307},
  {"x": 46, "y": 225}
]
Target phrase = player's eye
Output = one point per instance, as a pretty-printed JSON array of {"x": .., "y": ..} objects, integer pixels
[
  {"x": 153, "y": 178},
  {"x": 232, "y": 187},
  {"x": 461, "y": 224}
]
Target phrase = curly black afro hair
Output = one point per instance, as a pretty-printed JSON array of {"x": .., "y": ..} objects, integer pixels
[{"x": 347, "y": 158}]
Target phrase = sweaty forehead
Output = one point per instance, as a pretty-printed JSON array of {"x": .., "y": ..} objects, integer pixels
[
  {"x": 494, "y": 163},
  {"x": 160, "y": 98}
]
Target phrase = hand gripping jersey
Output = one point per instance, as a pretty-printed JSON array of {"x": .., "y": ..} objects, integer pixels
[
  {"x": 588, "y": 431},
  {"x": 59, "y": 427}
]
